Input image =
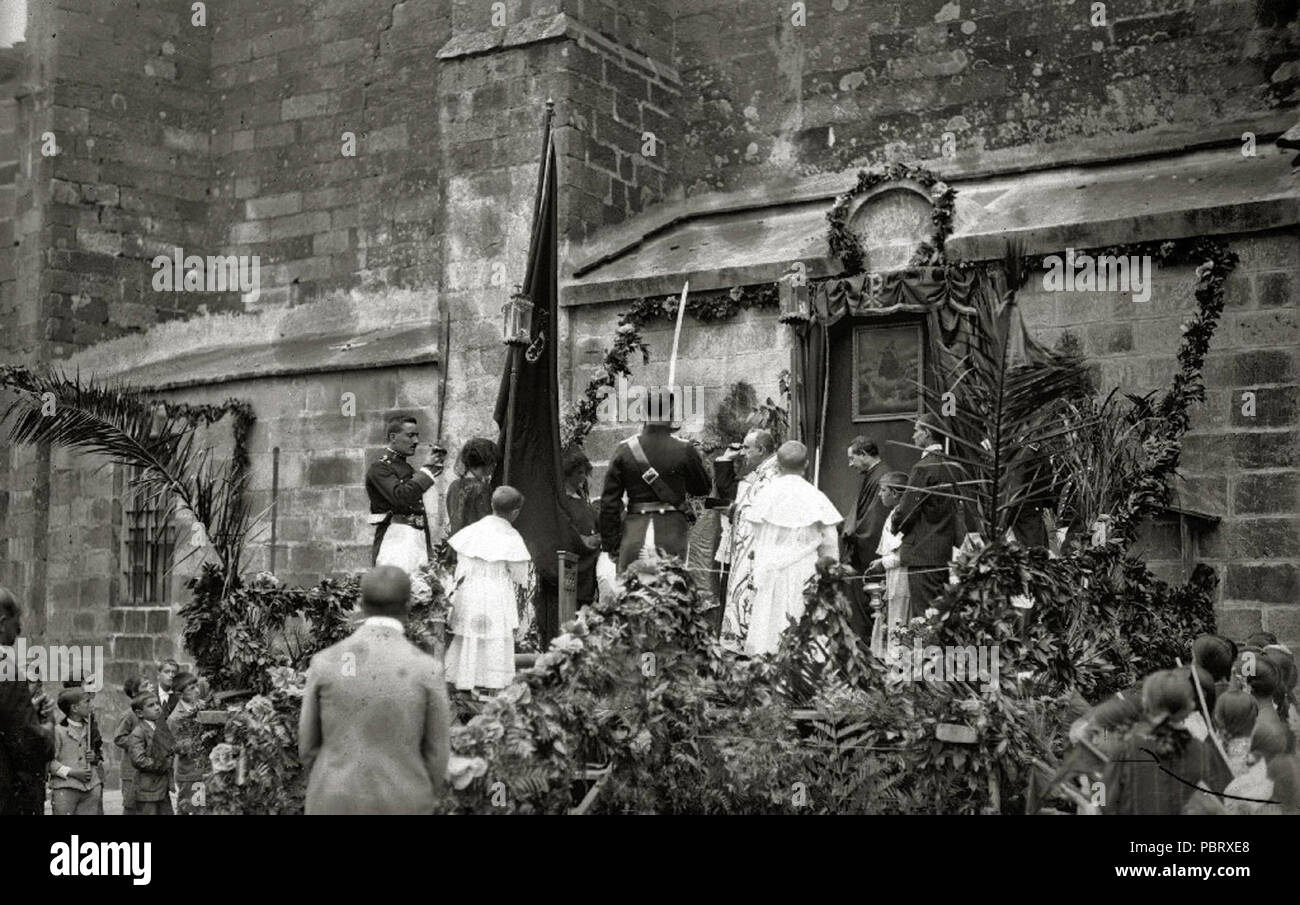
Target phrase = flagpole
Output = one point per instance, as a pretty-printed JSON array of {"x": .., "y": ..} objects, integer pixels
[{"x": 513, "y": 352}]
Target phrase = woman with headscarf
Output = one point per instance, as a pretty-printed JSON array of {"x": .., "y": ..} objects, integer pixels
[{"x": 469, "y": 497}]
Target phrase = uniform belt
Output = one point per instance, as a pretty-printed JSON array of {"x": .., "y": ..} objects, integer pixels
[
  {"x": 652, "y": 509},
  {"x": 413, "y": 521}
]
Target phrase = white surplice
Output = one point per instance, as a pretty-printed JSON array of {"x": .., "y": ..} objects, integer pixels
[
  {"x": 794, "y": 526},
  {"x": 492, "y": 563}
]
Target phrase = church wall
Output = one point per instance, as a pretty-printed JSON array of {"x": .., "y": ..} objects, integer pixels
[
  {"x": 857, "y": 82},
  {"x": 321, "y": 528},
  {"x": 445, "y": 106},
  {"x": 128, "y": 90},
  {"x": 1247, "y": 466}
]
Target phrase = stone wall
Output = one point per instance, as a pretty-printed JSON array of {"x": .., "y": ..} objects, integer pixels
[
  {"x": 132, "y": 176},
  {"x": 232, "y": 138},
  {"x": 1247, "y": 467},
  {"x": 752, "y": 347},
  {"x": 766, "y": 98}
]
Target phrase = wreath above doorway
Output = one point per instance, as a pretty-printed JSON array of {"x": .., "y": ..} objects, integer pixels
[{"x": 847, "y": 246}]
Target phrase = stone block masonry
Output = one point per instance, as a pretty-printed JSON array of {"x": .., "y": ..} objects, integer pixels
[
  {"x": 859, "y": 83},
  {"x": 364, "y": 148}
]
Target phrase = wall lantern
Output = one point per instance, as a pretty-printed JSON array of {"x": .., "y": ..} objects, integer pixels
[{"x": 517, "y": 319}]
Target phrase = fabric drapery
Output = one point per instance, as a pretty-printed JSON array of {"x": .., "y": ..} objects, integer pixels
[{"x": 949, "y": 299}]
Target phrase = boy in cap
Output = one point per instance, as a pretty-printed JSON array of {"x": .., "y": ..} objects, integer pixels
[
  {"x": 132, "y": 688},
  {"x": 75, "y": 785},
  {"x": 184, "y": 727}
]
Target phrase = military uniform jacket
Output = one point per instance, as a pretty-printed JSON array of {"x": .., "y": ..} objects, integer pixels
[
  {"x": 395, "y": 487},
  {"x": 680, "y": 467}
]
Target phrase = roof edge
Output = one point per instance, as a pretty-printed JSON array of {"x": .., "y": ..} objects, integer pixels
[{"x": 1161, "y": 142}]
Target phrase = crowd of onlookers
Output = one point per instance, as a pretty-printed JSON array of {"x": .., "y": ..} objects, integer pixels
[
  {"x": 58, "y": 745},
  {"x": 1217, "y": 736}
]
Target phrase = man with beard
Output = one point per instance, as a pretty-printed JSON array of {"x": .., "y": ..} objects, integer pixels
[
  {"x": 26, "y": 725},
  {"x": 736, "y": 547}
]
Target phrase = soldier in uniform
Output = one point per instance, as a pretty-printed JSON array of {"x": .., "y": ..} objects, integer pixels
[
  {"x": 656, "y": 472},
  {"x": 396, "y": 493}
]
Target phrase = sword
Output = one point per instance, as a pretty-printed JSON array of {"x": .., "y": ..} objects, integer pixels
[{"x": 672, "y": 360}]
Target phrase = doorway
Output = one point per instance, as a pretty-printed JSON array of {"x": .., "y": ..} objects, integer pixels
[{"x": 883, "y": 355}]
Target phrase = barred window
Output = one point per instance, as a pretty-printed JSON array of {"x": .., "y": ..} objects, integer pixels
[{"x": 148, "y": 542}]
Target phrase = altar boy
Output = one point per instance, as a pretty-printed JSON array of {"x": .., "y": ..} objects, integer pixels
[{"x": 492, "y": 567}]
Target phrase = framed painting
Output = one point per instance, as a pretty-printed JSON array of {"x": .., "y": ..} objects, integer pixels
[{"x": 886, "y": 372}]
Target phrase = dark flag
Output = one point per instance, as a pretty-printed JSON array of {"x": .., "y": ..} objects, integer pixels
[{"x": 534, "y": 453}]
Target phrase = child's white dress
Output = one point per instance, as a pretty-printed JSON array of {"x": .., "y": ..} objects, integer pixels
[
  {"x": 492, "y": 563},
  {"x": 896, "y": 591}
]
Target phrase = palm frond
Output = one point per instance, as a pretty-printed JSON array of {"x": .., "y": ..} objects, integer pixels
[
  {"x": 124, "y": 426},
  {"x": 1001, "y": 402}
]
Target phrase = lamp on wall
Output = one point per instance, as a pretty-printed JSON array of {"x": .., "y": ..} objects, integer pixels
[{"x": 793, "y": 294}]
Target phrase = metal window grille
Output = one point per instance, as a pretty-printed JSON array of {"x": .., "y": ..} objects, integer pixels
[{"x": 149, "y": 540}]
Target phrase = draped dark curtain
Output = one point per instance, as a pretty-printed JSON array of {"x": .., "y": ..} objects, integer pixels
[
  {"x": 947, "y": 297},
  {"x": 809, "y": 364}
]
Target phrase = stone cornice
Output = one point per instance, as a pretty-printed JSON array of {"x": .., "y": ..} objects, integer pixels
[{"x": 537, "y": 29}]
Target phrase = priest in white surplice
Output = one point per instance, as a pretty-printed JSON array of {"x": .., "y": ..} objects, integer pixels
[{"x": 794, "y": 526}]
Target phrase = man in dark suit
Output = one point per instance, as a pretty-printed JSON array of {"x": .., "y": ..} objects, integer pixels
[
  {"x": 864, "y": 525},
  {"x": 396, "y": 489},
  {"x": 26, "y": 725},
  {"x": 862, "y": 529},
  {"x": 930, "y": 517},
  {"x": 656, "y": 472}
]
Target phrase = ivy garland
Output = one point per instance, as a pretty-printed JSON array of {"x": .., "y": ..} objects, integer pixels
[
  {"x": 241, "y": 427},
  {"x": 706, "y": 307},
  {"x": 1214, "y": 263},
  {"x": 581, "y": 416},
  {"x": 844, "y": 244}
]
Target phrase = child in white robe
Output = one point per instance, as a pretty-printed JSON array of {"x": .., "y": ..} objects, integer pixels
[
  {"x": 892, "y": 486},
  {"x": 492, "y": 564}
]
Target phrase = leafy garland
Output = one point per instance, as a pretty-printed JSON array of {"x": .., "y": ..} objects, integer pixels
[
  {"x": 707, "y": 307},
  {"x": 581, "y": 416},
  {"x": 1163, "y": 443},
  {"x": 848, "y": 247},
  {"x": 241, "y": 426},
  {"x": 22, "y": 378}
]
